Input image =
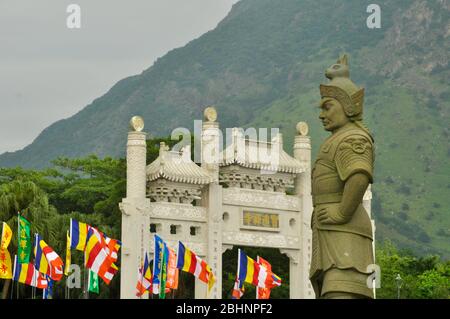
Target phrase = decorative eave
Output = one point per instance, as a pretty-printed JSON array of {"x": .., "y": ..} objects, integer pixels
[
  {"x": 177, "y": 167},
  {"x": 249, "y": 156}
]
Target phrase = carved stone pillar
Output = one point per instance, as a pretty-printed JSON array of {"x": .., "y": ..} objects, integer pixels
[
  {"x": 135, "y": 225},
  {"x": 212, "y": 200},
  {"x": 296, "y": 285},
  {"x": 210, "y": 143},
  {"x": 302, "y": 152}
]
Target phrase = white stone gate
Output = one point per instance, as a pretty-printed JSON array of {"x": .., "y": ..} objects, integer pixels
[{"x": 237, "y": 198}]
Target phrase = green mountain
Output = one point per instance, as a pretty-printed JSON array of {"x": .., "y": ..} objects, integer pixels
[{"x": 261, "y": 66}]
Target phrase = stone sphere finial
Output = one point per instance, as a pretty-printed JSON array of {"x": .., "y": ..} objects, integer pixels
[
  {"x": 302, "y": 128},
  {"x": 137, "y": 123},
  {"x": 210, "y": 114}
]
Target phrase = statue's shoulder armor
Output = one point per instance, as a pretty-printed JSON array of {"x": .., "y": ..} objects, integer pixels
[{"x": 354, "y": 153}]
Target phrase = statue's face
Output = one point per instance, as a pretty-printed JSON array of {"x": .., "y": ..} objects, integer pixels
[{"x": 332, "y": 115}]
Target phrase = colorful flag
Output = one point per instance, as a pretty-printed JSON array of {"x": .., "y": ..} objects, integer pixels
[
  {"x": 6, "y": 236},
  {"x": 93, "y": 282},
  {"x": 188, "y": 261},
  {"x": 68, "y": 255},
  {"x": 144, "y": 282},
  {"x": 252, "y": 272},
  {"x": 97, "y": 257},
  {"x": 24, "y": 247},
  {"x": 172, "y": 270},
  {"x": 40, "y": 262},
  {"x": 263, "y": 293},
  {"x": 27, "y": 274},
  {"x": 5, "y": 258},
  {"x": 78, "y": 234},
  {"x": 157, "y": 263},
  {"x": 165, "y": 258},
  {"x": 113, "y": 247},
  {"x": 5, "y": 264},
  {"x": 47, "y": 260},
  {"x": 48, "y": 292},
  {"x": 238, "y": 290}
]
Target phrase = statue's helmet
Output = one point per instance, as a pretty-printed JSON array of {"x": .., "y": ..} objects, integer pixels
[{"x": 342, "y": 88}]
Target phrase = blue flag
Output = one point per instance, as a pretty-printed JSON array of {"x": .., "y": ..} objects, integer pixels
[
  {"x": 158, "y": 258},
  {"x": 48, "y": 292}
]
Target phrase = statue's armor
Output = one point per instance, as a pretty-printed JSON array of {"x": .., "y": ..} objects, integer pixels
[{"x": 344, "y": 153}]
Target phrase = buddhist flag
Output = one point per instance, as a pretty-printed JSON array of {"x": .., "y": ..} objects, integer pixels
[
  {"x": 24, "y": 247},
  {"x": 68, "y": 255},
  {"x": 27, "y": 274},
  {"x": 6, "y": 236},
  {"x": 238, "y": 290},
  {"x": 188, "y": 261},
  {"x": 254, "y": 273},
  {"x": 48, "y": 292},
  {"x": 97, "y": 256},
  {"x": 144, "y": 283},
  {"x": 113, "y": 247},
  {"x": 40, "y": 262},
  {"x": 47, "y": 260},
  {"x": 263, "y": 293},
  {"x": 78, "y": 234}
]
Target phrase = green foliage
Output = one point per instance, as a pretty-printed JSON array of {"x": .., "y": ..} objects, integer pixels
[{"x": 422, "y": 277}]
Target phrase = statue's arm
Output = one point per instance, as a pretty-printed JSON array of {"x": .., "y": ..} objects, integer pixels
[
  {"x": 354, "y": 190},
  {"x": 354, "y": 163}
]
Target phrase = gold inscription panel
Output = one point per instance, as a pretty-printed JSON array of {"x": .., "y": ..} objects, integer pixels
[{"x": 260, "y": 219}]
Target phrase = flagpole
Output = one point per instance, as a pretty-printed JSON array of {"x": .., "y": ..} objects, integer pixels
[
  {"x": 33, "y": 290},
  {"x": 257, "y": 287},
  {"x": 12, "y": 279},
  {"x": 85, "y": 296},
  {"x": 18, "y": 243}
]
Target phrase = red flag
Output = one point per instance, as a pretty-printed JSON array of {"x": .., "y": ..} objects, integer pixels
[{"x": 263, "y": 293}]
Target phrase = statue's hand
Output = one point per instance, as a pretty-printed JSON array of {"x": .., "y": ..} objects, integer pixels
[{"x": 331, "y": 215}]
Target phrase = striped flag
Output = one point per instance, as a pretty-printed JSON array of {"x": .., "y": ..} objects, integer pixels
[
  {"x": 97, "y": 257},
  {"x": 238, "y": 290},
  {"x": 48, "y": 292},
  {"x": 263, "y": 293},
  {"x": 188, "y": 261},
  {"x": 27, "y": 274},
  {"x": 254, "y": 273},
  {"x": 144, "y": 282},
  {"x": 78, "y": 234},
  {"x": 113, "y": 247},
  {"x": 47, "y": 260}
]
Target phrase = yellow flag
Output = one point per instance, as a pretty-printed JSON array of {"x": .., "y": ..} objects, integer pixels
[
  {"x": 211, "y": 282},
  {"x": 68, "y": 256},
  {"x": 6, "y": 236},
  {"x": 5, "y": 264}
]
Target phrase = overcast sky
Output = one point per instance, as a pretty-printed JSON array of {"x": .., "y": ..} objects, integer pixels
[{"x": 49, "y": 72}]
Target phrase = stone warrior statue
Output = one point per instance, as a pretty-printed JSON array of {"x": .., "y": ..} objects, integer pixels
[{"x": 342, "y": 231}]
